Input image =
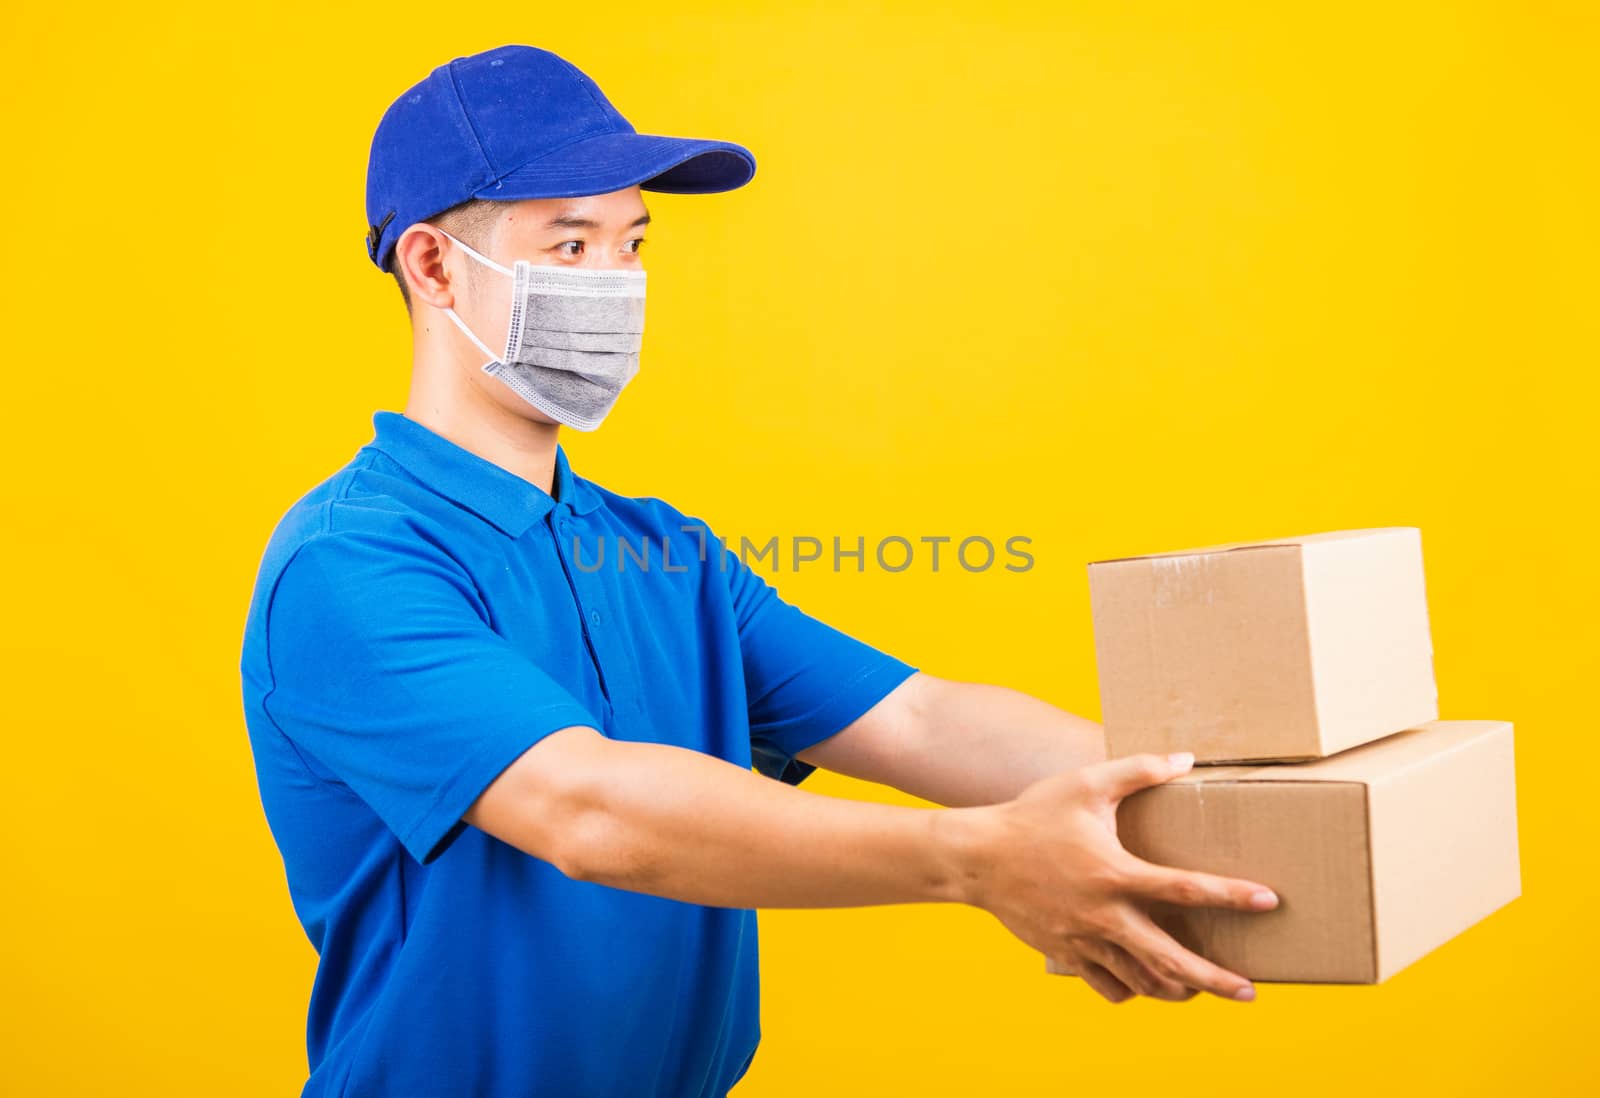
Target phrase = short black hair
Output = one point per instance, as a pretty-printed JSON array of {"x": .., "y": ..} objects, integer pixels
[{"x": 470, "y": 221}]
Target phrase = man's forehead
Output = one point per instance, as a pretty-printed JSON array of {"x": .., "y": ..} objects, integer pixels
[{"x": 623, "y": 208}]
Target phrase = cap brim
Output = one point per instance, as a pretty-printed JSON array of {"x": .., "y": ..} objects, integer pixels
[{"x": 609, "y": 162}]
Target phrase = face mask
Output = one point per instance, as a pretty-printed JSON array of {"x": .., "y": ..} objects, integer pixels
[{"x": 573, "y": 338}]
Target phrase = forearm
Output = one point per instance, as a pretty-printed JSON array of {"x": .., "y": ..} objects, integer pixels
[
  {"x": 968, "y": 743},
  {"x": 681, "y": 824},
  {"x": 676, "y": 823}
]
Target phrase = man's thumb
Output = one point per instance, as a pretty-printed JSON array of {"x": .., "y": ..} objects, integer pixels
[{"x": 1119, "y": 778}]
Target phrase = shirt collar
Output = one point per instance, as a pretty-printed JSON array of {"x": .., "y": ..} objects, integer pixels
[{"x": 512, "y": 503}]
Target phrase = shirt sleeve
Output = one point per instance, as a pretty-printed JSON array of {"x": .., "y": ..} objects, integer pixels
[
  {"x": 385, "y": 671},
  {"x": 805, "y": 680}
]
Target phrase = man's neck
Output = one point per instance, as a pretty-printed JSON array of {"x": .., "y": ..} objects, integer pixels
[{"x": 474, "y": 422}]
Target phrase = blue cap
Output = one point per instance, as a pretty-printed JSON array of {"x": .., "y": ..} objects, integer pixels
[{"x": 520, "y": 122}]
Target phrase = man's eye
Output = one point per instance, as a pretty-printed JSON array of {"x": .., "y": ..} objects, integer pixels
[
  {"x": 564, "y": 243},
  {"x": 637, "y": 242}
]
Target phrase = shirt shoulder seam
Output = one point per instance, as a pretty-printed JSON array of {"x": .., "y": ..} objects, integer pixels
[{"x": 324, "y": 529}]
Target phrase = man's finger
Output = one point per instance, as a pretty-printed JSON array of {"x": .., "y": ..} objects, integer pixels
[
  {"x": 1154, "y": 985},
  {"x": 1109, "y": 987},
  {"x": 1162, "y": 954},
  {"x": 1130, "y": 970},
  {"x": 1194, "y": 889},
  {"x": 1123, "y": 777}
]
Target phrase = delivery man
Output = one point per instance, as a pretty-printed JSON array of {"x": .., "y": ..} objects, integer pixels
[{"x": 526, "y": 803}]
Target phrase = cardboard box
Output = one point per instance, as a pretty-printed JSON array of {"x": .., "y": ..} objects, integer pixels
[
  {"x": 1378, "y": 854},
  {"x": 1254, "y": 651}
]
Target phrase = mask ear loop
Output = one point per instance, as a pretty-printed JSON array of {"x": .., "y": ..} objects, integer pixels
[
  {"x": 494, "y": 359},
  {"x": 479, "y": 256}
]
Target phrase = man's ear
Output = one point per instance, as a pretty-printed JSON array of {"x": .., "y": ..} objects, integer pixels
[{"x": 419, "y": 255}]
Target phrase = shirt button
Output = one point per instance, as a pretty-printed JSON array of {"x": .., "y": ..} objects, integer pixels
[{"x": 594, "y": 616}]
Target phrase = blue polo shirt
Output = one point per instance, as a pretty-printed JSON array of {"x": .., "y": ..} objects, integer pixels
[{"x": 420, "y": 619}]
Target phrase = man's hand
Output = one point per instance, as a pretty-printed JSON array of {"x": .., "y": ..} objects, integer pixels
[{"x": 1048, "y": 865}]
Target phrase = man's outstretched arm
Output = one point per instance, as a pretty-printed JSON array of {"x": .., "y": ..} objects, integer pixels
[
  {"x": 959, "y": 743},
  {"x": 678, "y": 823}
]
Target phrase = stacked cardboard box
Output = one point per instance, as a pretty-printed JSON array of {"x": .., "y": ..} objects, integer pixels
[{"x": 1300, "y": 673}]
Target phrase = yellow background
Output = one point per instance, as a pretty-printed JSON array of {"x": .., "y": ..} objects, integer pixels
[{"x": 1116, "y": 277}]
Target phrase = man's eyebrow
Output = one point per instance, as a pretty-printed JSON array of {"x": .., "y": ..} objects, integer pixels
[{"x": 568, "y": 221}]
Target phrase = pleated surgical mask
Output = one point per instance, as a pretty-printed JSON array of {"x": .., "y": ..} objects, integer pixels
[{"x": 572, "y": 340}]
